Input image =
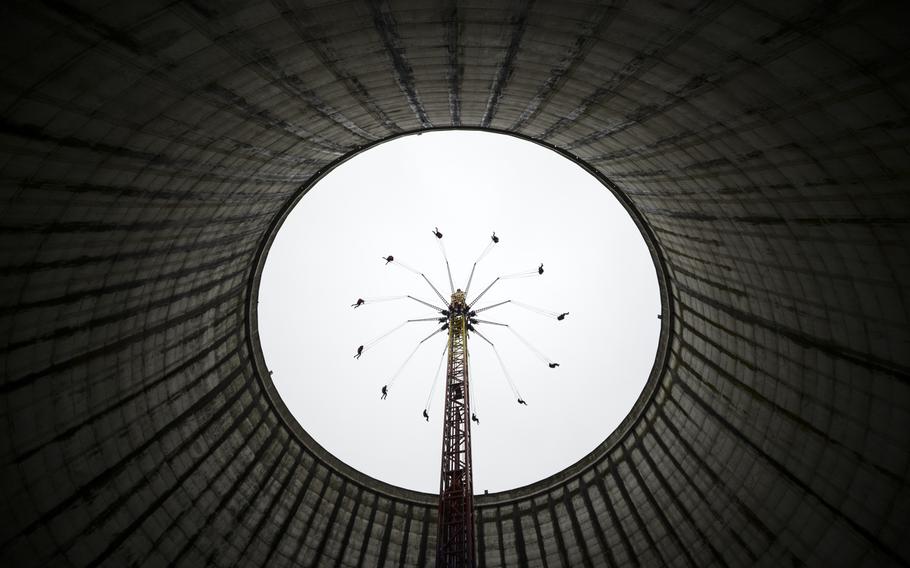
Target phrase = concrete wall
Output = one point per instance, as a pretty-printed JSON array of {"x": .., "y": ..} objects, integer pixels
[{"x": 148, "y": 147}]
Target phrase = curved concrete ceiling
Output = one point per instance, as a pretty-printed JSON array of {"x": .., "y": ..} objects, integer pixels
[{"x": 148, "y": 147}]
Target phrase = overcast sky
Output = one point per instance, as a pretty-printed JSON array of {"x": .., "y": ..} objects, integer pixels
[{"x": 469, "y": 184}]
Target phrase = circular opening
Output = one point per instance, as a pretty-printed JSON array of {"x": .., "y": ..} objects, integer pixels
[{"x": 388, "y": 200}]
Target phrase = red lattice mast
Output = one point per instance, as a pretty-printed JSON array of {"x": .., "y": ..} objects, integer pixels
[{"x": 455, "y": 537}]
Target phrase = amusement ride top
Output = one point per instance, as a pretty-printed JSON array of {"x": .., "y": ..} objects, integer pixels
[{"x": 455, "y": 537}]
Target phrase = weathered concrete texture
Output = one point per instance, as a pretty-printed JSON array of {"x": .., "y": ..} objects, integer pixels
[{"x": 147, "y": 148}]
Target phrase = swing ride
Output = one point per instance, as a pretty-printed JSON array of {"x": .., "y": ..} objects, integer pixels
[{"x": 458, "y": 317}]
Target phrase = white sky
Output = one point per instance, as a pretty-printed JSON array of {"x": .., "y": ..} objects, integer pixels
[{"x": 387, "y": 201}]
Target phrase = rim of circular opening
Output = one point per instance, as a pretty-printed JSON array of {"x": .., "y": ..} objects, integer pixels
[{"x": 409, "y": 495}]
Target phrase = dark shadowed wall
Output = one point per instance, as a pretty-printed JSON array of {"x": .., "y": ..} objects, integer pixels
[{"x": 148, "y": 149}]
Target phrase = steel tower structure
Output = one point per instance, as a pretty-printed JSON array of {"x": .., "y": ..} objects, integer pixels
[
  {"x": 455, "y": 522},
  {"x": 455, "y": 536}
]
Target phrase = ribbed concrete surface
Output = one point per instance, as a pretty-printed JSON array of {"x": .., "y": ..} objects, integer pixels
[{"x": 147, "y": 148}]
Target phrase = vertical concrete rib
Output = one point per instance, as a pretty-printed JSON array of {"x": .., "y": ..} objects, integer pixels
[
  {"x": 599, "y": 531},
  {"x": 593, "y": 27},
  {"x": 786, "y": 473},
  {"x": 386, "y": 536},
  {"x": 231, "y": 494},
  {"x": 304, "y": 23},
  {"x": 356, "y": 502},
  {"x": 238, "y": 521},
  {"x": 424, "y": 553},
  {"x": 502, "y": 545},
  {"x": 576, "y": 529},
  {"x": 405, "y": 534},
  {"x": 336, "y": 507},
  {"x": 311, "y": 514},
  {"x": 156, "y": 547},
  {"x": 642, "y": 527},
  {"x": 644, "y": 60},
  {"x": 557, "y": 533},
  {"x": 368, "y": 532},
  {"x": 679, "y": 506},
  {"x": 519, "y": 538},
  {"x": 710, "y": 502},
  {"x": 454, "y": 65},
  {"x": 267, "y": 517},
  {"x": 137, "y": 522},
  {"x": 541, "y": 545},
  {"x": 517, "y": 24},
  {"x": 387, "y": 28}
]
